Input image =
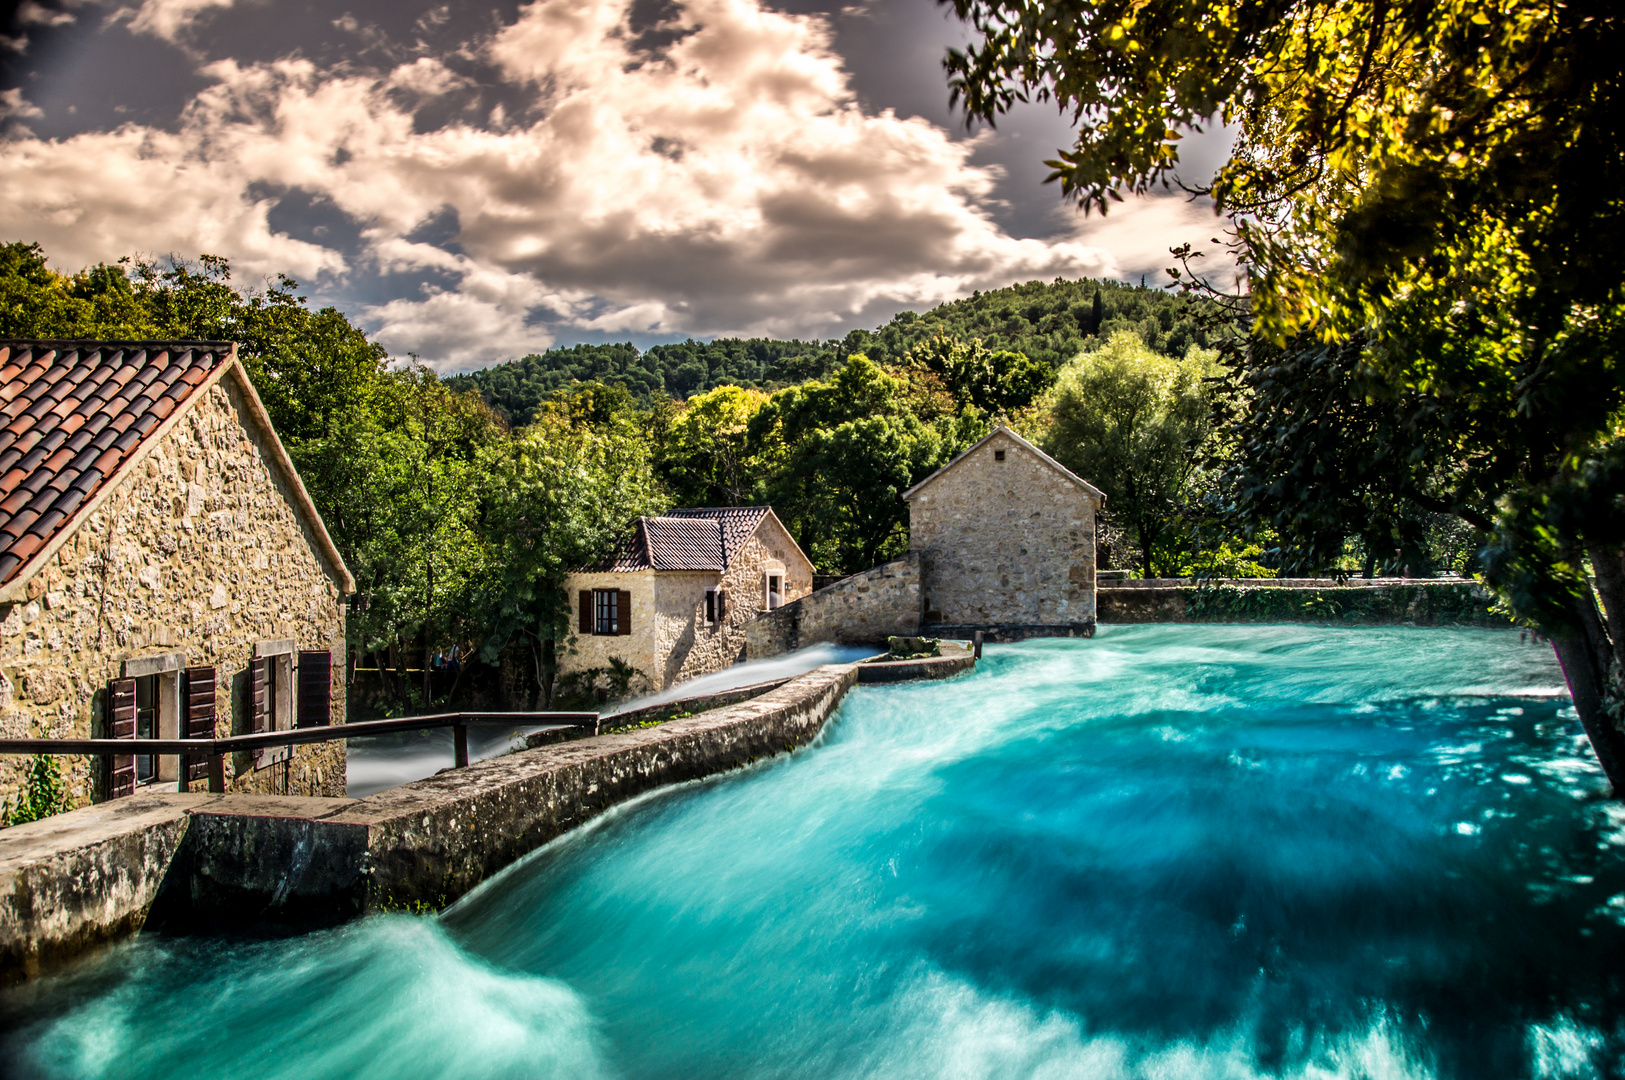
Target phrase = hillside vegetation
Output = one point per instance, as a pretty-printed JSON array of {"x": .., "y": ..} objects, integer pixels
[{"x": 1049, "y": 323}]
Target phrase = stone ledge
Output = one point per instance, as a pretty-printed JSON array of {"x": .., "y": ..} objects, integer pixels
[{"x": 71, "y": 882}]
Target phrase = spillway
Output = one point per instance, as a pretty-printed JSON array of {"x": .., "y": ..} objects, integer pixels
[{"x": 1171, "y": 851}]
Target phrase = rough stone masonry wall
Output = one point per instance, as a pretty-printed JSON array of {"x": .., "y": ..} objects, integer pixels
[
  {"x": 1005, "y": 542},
  {"x": 745, "y": 585},
  {"x": 1421, "y": 603},
  {"x": 201, "y": 551},
  {"x": 862, "y": 609}
]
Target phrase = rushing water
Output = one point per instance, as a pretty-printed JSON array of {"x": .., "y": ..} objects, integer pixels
[{"x": 1168, "y": 852}]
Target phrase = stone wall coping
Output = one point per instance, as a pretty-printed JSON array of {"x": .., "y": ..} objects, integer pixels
[
  {"x": 1278, "y": 583},
  {"x": 90, "y": 826},
  {"x": 450, "y": 786}
]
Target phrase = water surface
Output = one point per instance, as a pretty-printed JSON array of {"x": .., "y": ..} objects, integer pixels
[{"x": 1225, "y": 852}]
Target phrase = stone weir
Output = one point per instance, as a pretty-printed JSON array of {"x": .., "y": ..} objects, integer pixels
[{"x": 193, "y": 861}]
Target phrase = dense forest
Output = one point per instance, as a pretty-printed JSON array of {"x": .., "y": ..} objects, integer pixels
[{"x": 1049, "y": 323}]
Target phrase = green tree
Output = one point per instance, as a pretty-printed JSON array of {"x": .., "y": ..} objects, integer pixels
[
  {"x": 837, "y": 456},
  {"x": 707, "y": 460},
  {"x": 998, "y": 382},
  {"x": 1133, "y": 422},
  {"x": 561, "y": 493},
  {"x": 1439, "y": 180}
]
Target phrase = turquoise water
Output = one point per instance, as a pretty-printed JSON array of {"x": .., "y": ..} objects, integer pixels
[{"x": 1168, "y": 852}]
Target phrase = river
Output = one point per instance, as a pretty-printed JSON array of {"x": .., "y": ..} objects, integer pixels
[{"x": 1168, "y": 852}]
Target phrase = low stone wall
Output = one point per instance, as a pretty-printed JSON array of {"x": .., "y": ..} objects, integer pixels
[
  {"x": 863, "y": 609},
  {"x": 71, "y": 881},
  {"x": 1424, "y": 602},
  {"x": 956, "y": 657}
]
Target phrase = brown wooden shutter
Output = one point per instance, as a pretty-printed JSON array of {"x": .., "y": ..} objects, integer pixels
[
  {"x": 121, "y": 725},
  {"x": 722, "y": 605},
  {"x": 198, "y": 699},
  {"x": 586, "y": 612},
  {"x": 315, "y": 688},
  {"x": 259, "y": 673},
  {"x": 623, "y": 612}
]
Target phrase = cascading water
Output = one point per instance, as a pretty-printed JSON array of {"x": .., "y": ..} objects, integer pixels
[{"x": 1167, "y": 852}]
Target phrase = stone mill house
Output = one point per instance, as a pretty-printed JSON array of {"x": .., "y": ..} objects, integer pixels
[
  {"x": 673, "y": 599},
  {"x": 1001, "y": 540},
  {"x": 163, "y": 572}
]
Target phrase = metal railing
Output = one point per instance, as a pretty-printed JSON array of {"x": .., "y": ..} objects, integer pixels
[{"x": 216, "y": 749}]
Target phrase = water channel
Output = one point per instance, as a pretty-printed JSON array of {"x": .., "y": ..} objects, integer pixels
[{"x": 1170, "y": 852}]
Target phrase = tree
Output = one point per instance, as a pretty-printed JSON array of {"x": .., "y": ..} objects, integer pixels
[
  {"x": 994, "y": 382},
  {"x": 561, "y": 493},
  {"x": 707, "y": 460},
  {"x": 836, "y": 458},
  {"x": 1133, "y": 422},
  {"x": 1438, "y": 180}
]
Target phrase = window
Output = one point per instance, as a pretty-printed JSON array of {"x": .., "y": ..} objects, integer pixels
[
  {"x": 998, "y": 455},
  {"x": 271, "y": 684},
  {"x": 606, "y": 611},
  {"x": 775, "y": 591},
  {"x": 146, "y": 726},
  {"x": 710, "y": 605}
]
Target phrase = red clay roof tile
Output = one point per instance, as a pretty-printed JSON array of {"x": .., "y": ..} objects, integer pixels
[
  {"x": 26, "y": 545},
  {"x": 75, "y": 412}
]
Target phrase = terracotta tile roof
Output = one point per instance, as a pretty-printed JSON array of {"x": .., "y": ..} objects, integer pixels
[
  {"x": 693, "y": 538},
  {"x": 71, "y": 412}
]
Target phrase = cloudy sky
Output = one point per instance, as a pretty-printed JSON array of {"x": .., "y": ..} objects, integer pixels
[{"x": 475, "y": 181}]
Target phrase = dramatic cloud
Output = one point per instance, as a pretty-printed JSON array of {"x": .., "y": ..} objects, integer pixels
[{"x": 709, "y": 173}]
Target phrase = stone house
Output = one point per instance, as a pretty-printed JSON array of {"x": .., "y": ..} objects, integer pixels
[
  {"x": 673, "y": 600},
  {"x": 1006, "y": 537},
  {"x": 163, "y": 572}
]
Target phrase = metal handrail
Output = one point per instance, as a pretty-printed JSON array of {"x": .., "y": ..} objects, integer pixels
[{"x": 215, "y": 749}]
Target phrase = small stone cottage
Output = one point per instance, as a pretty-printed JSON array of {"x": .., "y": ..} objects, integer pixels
[
  {"x": 673, "y": 600},
  {"x": 1006, "y": 538},
  {"x": 163, "y": 572}
]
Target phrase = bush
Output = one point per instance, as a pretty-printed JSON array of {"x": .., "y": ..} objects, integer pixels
[{"x": 44, "y": 793}]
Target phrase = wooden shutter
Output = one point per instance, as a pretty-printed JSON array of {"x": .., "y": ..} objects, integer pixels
[
  {"x": 121, "y": 725},
  {"x": 198, "y": 701},
  {"x": 259, "y": 673},
  {"x": 315, "y": 688},
  {"x": 586, "y": 612},
  {"x": 722, "y": 605},
  {"x": 623, "y": 612}
]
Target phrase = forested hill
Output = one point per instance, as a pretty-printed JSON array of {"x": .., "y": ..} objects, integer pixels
[{"x": 1049, "y": 322}]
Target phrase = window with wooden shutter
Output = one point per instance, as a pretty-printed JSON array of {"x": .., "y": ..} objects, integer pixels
[
  {"x": 121, "y": 725},
  {"x": 198, "y": 703},
  {"x": 315, "y": 688},
  {"x": 260, "y": 683},
  {"x": 623, "y": 602},
  {"x": 586, "y": 611}
]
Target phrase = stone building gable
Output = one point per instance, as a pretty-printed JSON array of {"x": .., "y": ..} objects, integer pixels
[
  {"x": 1007, "y": 537},
  {"x": 204, "y": 547}
]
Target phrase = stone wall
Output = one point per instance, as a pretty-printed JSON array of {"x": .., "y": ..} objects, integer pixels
[
  {"x": 1005, "y": 542},
  {"x": 863, "y": 609},
  {"x": 197, "y": 860},
  {"x": 198, "y": 550},
  {"x": 1421, "y": 602},
  {"x": 671, "y": 641}
]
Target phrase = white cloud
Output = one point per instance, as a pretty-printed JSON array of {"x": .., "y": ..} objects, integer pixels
[
  {"x": 727, "y": 183},
  {"x": 13, "y": 106},
  {"x": 167, "y": 18}
]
